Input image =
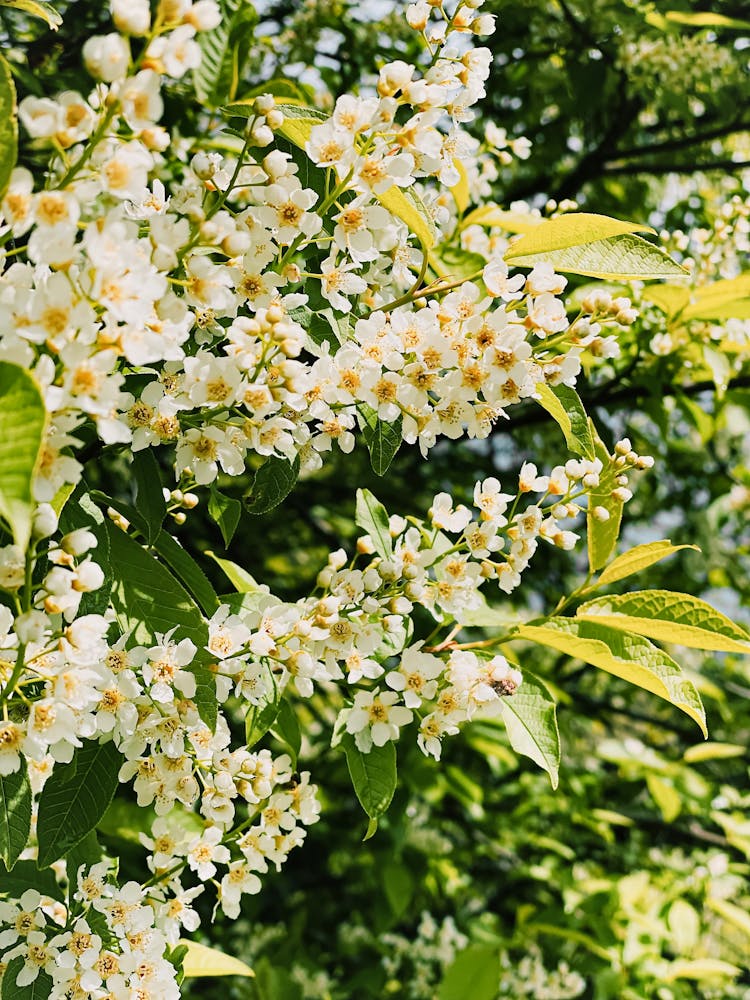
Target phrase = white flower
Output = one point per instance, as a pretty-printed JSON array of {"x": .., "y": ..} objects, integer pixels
[
  {"x": 375, "y": 718},
  {"x": 416, "y": 676},
  {"x": 443, "y": 515}
]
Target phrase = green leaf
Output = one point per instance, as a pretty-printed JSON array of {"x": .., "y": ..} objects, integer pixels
[
  {"x": 224, "y": 51},
  {"x": 602, "y": 535},
  {"x": 665, "y": 796},
  {"x": 730, "y": 912},
  {"x": 273, "y": 481},
  {"x": 574, "y": 229},
  {"x": 22, "y": 424},
  {"x": 260, "y": 718},
  {"x": 564, "y": 404},
  {"x": 494, "y": 216},
  {"x": 36, "y": 8},
  {"x": 474, "y": 973},
  {"x": 205, "y": 694},
  {"x": 275, "y": 982},
  {"x": 713, "y": 751},
  {"x": 373, "y": 775},
  {"x": 638, "y": 558},
  {"x": 149, "y": 502},
  {"x": 145, "y": 595},
  {"x": 668, "y": 617},
  {"x": 15, "y": 813},
  {"x": 286, "y": 727},
  {"x": 631, "y": 657},
  {"x": 188, "y": 571},
  {"x": 383, "y": 439},
  {"x": 372, "y": 517},
  {"x": 619, "y": 257},
  {"x": 8, "y": 129},
  {"x": 701, "y": 19},
  {"x": 82, "y": 512},
  {"x": 240, "y": 579},
  {"x": 399, "y": 884},
  {"x": 202, "y": 961},
  {"x": 700, "y": 969},
  {"x": 75, "y": 798},
  {"x": 26, "y": 875},
  {"x": 529, "y": 717},
  {"x": 40, "y": 989},
  {"x": 225, "y": 511},
  {"x": 87, "y": 852}
]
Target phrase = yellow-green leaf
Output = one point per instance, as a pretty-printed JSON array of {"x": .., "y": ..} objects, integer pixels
[
  {"x": 664, "y": 795},
  {"x": 36, "y": 8},
  {"x": 669, "y": 298},
  {"x": 668, "y": 617},
  {"x": 702, "y": 19},
  {"x": 22, "y": 422},
  {"x": 460, "y": 190},
  {"x": 529, "y": 717},
  {"x": 638, "y": 558},
  {"x": 602, "y": 535},
  {"x": 628, "y": 656},
  {"x": 713, "y": 751},
  {"x": 565, "y": 406},
  {"x": 203, "y": 961},
  {"x": 511, "y": 222},
  {"x": 731, "y": 913},
  {"x": 699, "y": 969},
  {"x": 574, "y": 230},
  {"x": 721, "y": 300},
  {"x": 8, "y": 126},
  {"x": 618, "y": 257}
]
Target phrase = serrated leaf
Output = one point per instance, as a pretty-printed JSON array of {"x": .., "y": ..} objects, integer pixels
[
  {"x": 373, "y": 775},
  {"x": 575, "y": 229},
  {"x": 22, "y": 423},
  {"x": 25, "y": 875},
  {"x": 149, "y": 501},
  {"x": 273, "y": 481},
  {"x": 372, "y": 517},
  {"x": 75, "y": 798},
  {"x": 187, "y": 570},
  {"x": 146, "y": 597},
  {"x": 36, "y": 8},
  {"x": 631, "y": 657},
  {"x": 8, "y": 126},
  {"x": 531, "y": 722},
  {"x": 602, "y": 535},
  {"x": 224, "y": 50},
  {"x": 638, "y": 558},
  {"x": 474, "y": 973},
  {"x": 15, "y": 813},
  {"x": 383, "y": 439},
  {"x": 202, "y": 961},
  {"x": 40, "y": 989},
  {"x": 565, "y": 406},
  {"x": 668, "y": 617},
  {"x": 622, "y": 258}
]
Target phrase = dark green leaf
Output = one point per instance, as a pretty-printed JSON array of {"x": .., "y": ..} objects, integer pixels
[
  {"x": 383, "y": 439},
  {"x": 225, "y": 511},
  {"x": 373, "y": 775},
  {"x": 286, "y": 727},
  {"x": 40, "y": 989},
  {"x": 26, "y": 875},
  {"x": 188, "y": 570},
  {"x": 87, "y": 852},
  {"x": 149, "y": 501},
  {"x": 15, "y": 813},
  {"x": 273, "y": 481},
  {"x": 224, "y": 51},
  {"x": 260, "y": 718},
  {"x": 75, "y": 798}
]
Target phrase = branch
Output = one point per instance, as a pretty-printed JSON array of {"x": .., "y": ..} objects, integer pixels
[
  {"x": 668, "y": 145},
  {"x": 674, "y": 168}
]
